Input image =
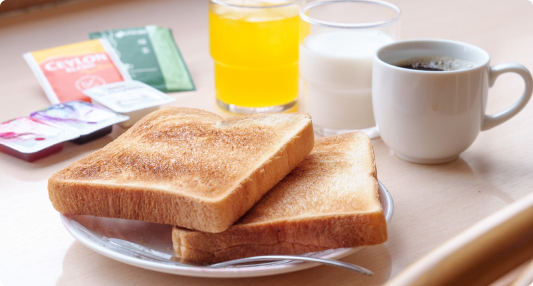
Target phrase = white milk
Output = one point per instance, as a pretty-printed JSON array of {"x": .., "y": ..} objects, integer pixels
[{"x": 337, "y": 70}]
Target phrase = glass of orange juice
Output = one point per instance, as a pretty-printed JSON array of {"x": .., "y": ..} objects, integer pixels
[{"x": 254, "y": 44}]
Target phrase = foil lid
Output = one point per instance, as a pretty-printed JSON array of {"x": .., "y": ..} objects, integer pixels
[
  {"x": 128, "y": 96},
  {"x": 79, "y": 116},
  {"x": 30, "y": 135}
]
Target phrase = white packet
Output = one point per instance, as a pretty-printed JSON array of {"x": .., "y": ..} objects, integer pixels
[{"x": 131, "y": 98}]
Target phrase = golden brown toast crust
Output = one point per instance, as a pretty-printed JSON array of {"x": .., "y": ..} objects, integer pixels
[
  {"x": 330, "y": 200},
  {"x": 185, "y": 167}
]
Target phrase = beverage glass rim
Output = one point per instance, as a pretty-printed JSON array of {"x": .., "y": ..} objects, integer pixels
[
  {"x": 313, "y": 21},
  {"x": 220, "y": 2}
]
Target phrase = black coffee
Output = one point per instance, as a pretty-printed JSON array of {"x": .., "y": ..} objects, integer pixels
[
  {"x": 418, "y": 67},
  {"x": 434, "y": 64}
]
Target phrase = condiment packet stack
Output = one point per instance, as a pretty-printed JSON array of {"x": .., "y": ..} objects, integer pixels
[
  {"x": 43, "y": 133},
  {"x": 101, "y": 68},
  {"x": 131, "y": 98}
]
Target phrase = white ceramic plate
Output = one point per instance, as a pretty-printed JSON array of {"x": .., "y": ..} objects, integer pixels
[{"x": 149, "y": 245}]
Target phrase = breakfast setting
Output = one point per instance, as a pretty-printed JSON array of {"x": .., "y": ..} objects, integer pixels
[{"x": 266, "y": 142}]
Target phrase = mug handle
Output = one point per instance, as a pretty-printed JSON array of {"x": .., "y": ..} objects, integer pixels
[{"x": 497, "y": 119}]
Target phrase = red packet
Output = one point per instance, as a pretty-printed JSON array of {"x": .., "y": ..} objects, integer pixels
[{"x": 65, "y": 71}]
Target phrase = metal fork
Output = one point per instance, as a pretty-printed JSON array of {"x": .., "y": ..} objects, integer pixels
[
  {"x": 151, "y": 254},
  {"x": 296, "y": 258}
]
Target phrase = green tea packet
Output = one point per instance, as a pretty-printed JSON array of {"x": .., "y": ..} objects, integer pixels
[{"x": 151, "y": 56}]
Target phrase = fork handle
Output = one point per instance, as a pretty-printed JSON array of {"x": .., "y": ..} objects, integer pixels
[{"x": 297, "y": 258}]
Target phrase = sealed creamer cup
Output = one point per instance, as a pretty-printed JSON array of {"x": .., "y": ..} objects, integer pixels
[
  {"x": 65, "y": 71},
  {"x": 131, "y": 98},
  {"x": 31, "y": 139},
  {"x": 89, "y": 120}
]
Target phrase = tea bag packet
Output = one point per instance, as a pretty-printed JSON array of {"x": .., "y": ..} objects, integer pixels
[
  {"x": 89, "y": 120},
  {"x": 131, "y": 98},
  {"x": 31, "y": 139},
  {"x": 151, "y": 56},
  {"x": 65, "y": 71}
]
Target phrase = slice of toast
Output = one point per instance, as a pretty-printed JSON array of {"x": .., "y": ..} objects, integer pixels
[
  {"x": 185, "y": 167},
  {"x": 330, "y": 200}
]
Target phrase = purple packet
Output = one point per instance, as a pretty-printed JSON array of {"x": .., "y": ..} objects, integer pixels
[{"x": 89, "y": 120}]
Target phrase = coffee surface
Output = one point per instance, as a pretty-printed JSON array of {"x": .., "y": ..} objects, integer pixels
[{"x": 435, "y": 64}]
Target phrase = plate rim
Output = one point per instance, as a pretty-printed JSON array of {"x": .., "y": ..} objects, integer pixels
[{"x": 229, "y": 272}]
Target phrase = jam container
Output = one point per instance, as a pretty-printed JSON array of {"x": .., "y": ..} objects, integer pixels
[{"x": 31, "y": 139}]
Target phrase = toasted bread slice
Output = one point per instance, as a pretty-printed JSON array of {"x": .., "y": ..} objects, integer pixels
[
  {"x": 330, "y": 200},
  {"x": 185, "y": 167}
]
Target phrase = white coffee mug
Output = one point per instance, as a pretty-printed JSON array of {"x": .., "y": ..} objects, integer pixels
[{"x": 430, "y": 117}]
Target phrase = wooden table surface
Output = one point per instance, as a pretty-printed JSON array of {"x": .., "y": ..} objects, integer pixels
[{"x": 432, "y": 203}]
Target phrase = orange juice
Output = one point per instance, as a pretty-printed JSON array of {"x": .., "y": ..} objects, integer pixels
[{"x": 256, "y": 55}]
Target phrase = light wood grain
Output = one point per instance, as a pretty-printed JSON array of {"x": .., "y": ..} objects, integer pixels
[
  {"x": 481, "y": 254},
  {"x": 432, "y": 203},
  {"x": 19, "y": 5}
]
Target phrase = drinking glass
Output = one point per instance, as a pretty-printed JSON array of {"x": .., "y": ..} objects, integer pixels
[
  {"x": 337, "y": 42},
  {"x": 255, "y": 48}
]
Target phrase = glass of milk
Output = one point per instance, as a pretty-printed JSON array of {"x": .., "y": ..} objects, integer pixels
[{"x": 337, "y": 41}]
